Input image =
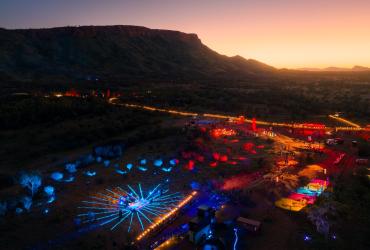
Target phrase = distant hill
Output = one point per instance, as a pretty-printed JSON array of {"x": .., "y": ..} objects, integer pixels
[
  {"x": 337, "y": 69},
  {"x": 116, "y": 52}
]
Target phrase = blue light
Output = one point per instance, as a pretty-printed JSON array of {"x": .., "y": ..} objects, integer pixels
[
  {"x": 195, "y": 185},
  {"x": 306, "y": 191},
  {"x": 98, "y": 159},
  {"x": 173, "y": 162},
  {"x": 90, "y": 173},
  {"x": 143, "y": 162},
  {"x": 134, "y": 206},
  {"x": 27, "y": 202},
  {"x": 236, "y": 238},
  {"x": 56, "y": 176},
  {"x": 70, "y": 179},
  {"x": 51, "y": 199},
  {"x": 106, "y": 163},
  {"x": 142, "y": 169},
  {"x": 129, "y": 166},
  {"x": 121, "y": 200},
  {"x": 167, "y": 169},
  {"x": 121, "y": 172},
  {"x": 49, "y": 190},
  {"x": 71, "y": 168},
  {"x": 31, "y": 181},
  {"x": 210, "y": 234},
  {"x": 18, "y": 210},
  {"x": 158, "y": 163},
  {"x": 306, "y": 238},
  {"x": 46, "y": 211}
]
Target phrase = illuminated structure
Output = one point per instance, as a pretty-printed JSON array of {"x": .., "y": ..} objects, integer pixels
[
  {"x": 118, "y": 205},
  {"x": 236, "y": 238},
  {"x": 164, "y": 218},
  {"x": 303, "y": 196},
  {"x": 217, "y": 132},
  {"x": 254, "y": 126},
  {"x": 309, "y": 129},
  {"x": 345, "y": 121},
  {"x": 227, "y": 117}
]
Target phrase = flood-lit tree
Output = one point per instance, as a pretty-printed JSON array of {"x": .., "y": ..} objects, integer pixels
[
  {"x": 31, "y": 181},
  {"x": 322, "y": 215},
  {"x": 27, "y": 202}
]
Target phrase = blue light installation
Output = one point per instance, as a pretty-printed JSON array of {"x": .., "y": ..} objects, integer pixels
[
  {"x": 71, "y": 167},
  {"x": 307, "y": 191},
  {"x": 90, "y": 173},
  {"x": 56, "y": 176},
  {"x": 134, "y": 207},
  {"x": 174, "y": 162},
  {"x": 143, "y": 161},
  {"x": 121, "y": 172},
  {"x": 167, "y": 169},
  {"x": 142, "y": 169},
  {"x": 49, "y": 190},
  {"x": 70, "y": 179},
  {"x": 158, "y": 163},
  {"x": 106, "y": 163},
  {"x": 31, "y": 181},
  {"x": 236, "y": 238},
  {"x": 306, "y": 238},
  {"x": 129, "y": 166}
]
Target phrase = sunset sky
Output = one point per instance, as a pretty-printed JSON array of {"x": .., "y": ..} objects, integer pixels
[{"x": 282, "y": 33}]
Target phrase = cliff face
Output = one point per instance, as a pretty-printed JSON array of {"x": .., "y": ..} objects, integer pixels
[{"x": 115, "y": 52}]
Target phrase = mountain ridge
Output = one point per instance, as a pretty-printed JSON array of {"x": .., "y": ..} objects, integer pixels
[
  {"x": 355, "y": 68},
  {"x": 119, "y": 52}
]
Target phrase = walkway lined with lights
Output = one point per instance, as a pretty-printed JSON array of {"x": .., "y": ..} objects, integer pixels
[
  {"x": 165, "y": 217},
  {"x": 344, "y": 121},
  {"x": 354, "y": 127}
]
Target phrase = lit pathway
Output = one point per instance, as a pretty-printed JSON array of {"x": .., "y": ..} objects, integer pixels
[
  {"x": 345, "y": 121},
  {"x": 219, "y": 116}
]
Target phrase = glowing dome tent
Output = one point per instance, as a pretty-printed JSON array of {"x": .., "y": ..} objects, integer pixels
[
  {"x": 57, "y": 176},
  {"x": 174, "y": 162},
  {"x": 49, "y": 190},
  {"x": 71, "y": 167},
  {"x": 129, "y": 166},
  {"x": 143, "y": 162},
  {"x": 158, "y": 162}
]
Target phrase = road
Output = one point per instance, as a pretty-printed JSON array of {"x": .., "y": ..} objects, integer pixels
[{"x": 115, "y": 101}]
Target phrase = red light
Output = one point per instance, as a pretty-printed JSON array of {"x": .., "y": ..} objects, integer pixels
[
  {"x": 224, "y": 158},
  {"x": 213, "y": 164},
  {"x": 216, "y": 156}
]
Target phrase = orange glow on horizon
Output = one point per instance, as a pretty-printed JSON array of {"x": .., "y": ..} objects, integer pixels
[{"x": 281, "y": 33}]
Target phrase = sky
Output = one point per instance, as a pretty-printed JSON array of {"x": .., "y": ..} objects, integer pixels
[{"x": 282, "y": 33}]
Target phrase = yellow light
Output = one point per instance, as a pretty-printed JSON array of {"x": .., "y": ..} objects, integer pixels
[
  {"x": 345, "y": 121},
  {"x": 181, "y": 204},
  {"x": 355, "y": 127}
]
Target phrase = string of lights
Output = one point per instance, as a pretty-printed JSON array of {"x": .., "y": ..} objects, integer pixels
[{"x": 165, "y": 217}]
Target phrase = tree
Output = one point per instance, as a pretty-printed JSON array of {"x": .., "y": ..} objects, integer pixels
[
  {"x": 322, "y": 215},
  {"x": 32, "y": 181},
  {"x": 27, "y": 202}
]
